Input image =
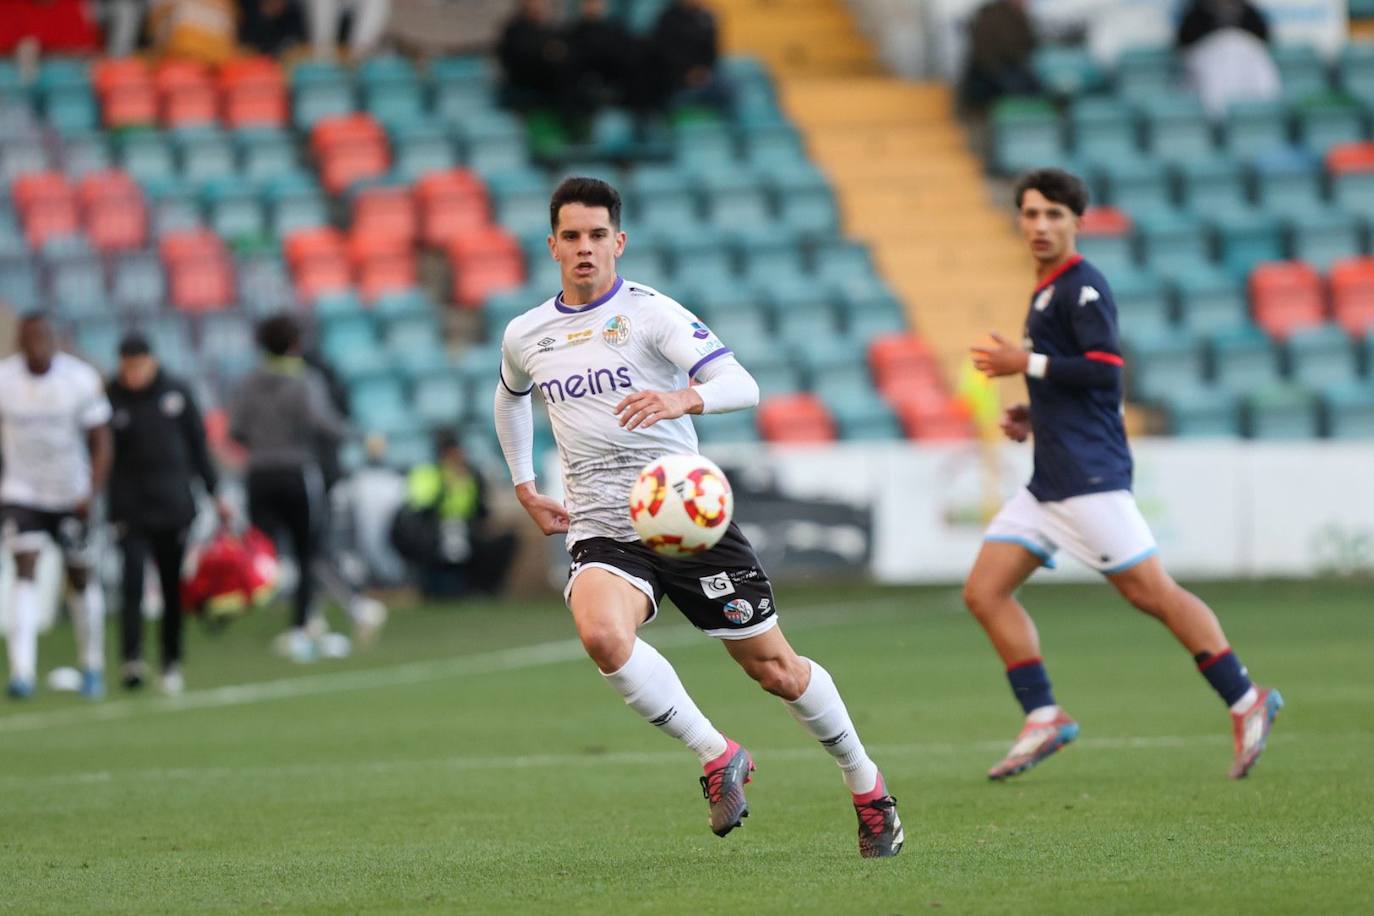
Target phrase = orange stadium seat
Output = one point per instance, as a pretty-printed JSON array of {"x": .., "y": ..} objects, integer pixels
[
  {"x": 251, "y": 70},
  {"x": 452, "y": 203},
  {"x": 389, "y": 211},
  {"x": 312, "y": 243},
  {"x": 110, "y": 72},
  {"x": 115, "y": 214},
  {"x": 47, "y": 206},
  {"x": 344, "y": 129},
  {"x": 1286, "y": 296},
  {"x": 484, "y": 261},
  {"x": 202, "y": 283},
  {"x": 131, "y": 105},
  {"x": 796, "y": 418},
  {"x": 899, "y": 354},
  {"x": 370, "y": 244},
  {"x": 1350, "y": 157},
  {"x": 187, "y": 244},
  {"x": 1352, "y": 295},
  {"x": 382, "y": 274},
  {"x": 322, "y": 273},
  {"x": 33, "y": 187},
  {"x": 253, "y": 90},
  {"x": 1105, "y": 221}
]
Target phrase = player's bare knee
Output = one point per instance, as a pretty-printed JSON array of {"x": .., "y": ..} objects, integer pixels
[
  {"x": 606, "y": 645},
  {"x": 981, "y": 600},
  {"x": 778, "y": 677}
]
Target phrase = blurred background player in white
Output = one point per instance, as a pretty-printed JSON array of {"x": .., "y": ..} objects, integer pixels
[
  {"x": 1079, "y": 496},
  {"x": 615, "y": 362},
  {"x": 55, "y": 438}
]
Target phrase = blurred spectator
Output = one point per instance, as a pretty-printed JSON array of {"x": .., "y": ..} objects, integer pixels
[
  {"x": 368, "y": 19},
  {"x": 1203, "y": 17},
  {"x": 533, "y": 56},
  {"x": 367, "y": 613},
  {"x": 1001, "y": 42},
  {"x": 375, "y": 492},
  {"x": 270, "y": 26},
  {"x": 123, "y": 21},
  {"x": 445, "y": 529},
  {"x": 159, "y": 448},
  {"x": 281, "y": 414},
  {"x": 603, "y": 56},
  {"x": 203, "y": 30},
  {"x": 683, "y": 51},
  {"x": 1226, "y": 53}
]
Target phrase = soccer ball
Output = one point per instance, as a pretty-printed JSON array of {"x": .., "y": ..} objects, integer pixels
[{"x": 681, "y": 505}]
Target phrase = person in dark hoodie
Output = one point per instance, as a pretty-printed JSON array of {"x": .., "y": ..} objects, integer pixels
[
  {"x": 159, "y": 450},
  {"x": 282, "y": 415}
]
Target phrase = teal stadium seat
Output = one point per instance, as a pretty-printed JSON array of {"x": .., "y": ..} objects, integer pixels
[
  {"x": 1355, "y": 69},
  {"x": 772, "y": 146},
  {"x": 1145, "y": 72},
  {"x": 1164, "y": 365},
  {"x": 440, "y": 399},
  {"x": 96, "y": 340},
  {"x": 738, "y": 426},
  {"x": 420, "y": 148},
  {"x": 1353, "y": 191},
  {"x": 1109, "y": 253},
  {"x": 1067, "y": 71},
  {"x": 205, "y": 155},
  {"x": 1026, "y": 133},
  {"x": 263, "y": 284},
  {"x": 859, "y": 411},
  {"x": 763, "y": 261},
  {"x": 704, "y": 147},
  {"x": 235, "y": 212},
  {"x": 1349, "y": 410},
  {"x": 1256, "y": 127},
  {"x": 380, "y": 405},
  {"x": 70, "y": 109},
  {"x": 18, "y": 157},
  {"x": 137, "y": 283},
  {"x": 695, "y": 254},
  {"x": 1246, "y": 238},
  {"x": 1136, "y": 183},
  {"x": 1244, "y": 359},
  {"x": 170, "y": 338},
  {"x": 1173, "y": 240},
  {"x": 1302, "y": 71},
  {"x": 264, "y": 153},
  {"x": 146, "y": 156},
  {"x": 1329, "y": 120},
  {"x": 402, "y": 304},
  {"x": 1322, "y": 357},
  {"x": 775, "y": 375},
  {"x": 745, "y": 332},
  {"x": 314, "y": 101},
  {"x": 395, "y": 101},
  {"x": 1177, "y": 126},
  {"x": 735, "y": 200},
  {"x": 19, "y": 281},
  {"x": 1103, "y": 129},
  {"x": 1326, "y": 235},
  {"x": 1210, "y": 300},
  {"x": 1142, "y": 304},
  {"x": 1204, "y": 412},
  {"x": 661, "y": 197},
  {"x": 805, "y": 205},
  {"x": 295, "y": 201},
  {"x": 85, "y": 152},
  {"x": 329, "y": 307},
  {"x": 227, "y": 345},
  {"x": 1283, "y": 412},
  {"x": 1212, "y": 183}
]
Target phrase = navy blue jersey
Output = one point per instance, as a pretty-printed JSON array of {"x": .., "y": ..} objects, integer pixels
[{"x": 1080, "y": 437}]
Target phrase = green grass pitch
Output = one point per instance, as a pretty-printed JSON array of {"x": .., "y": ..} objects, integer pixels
[{"x": 473, "y": 762}]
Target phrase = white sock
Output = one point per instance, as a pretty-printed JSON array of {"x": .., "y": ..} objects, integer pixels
[
  {"x": 1042, "y": 714},
  {"x": 1245, "y": 702},
  {"x": 23, "y": 635},
  {"x": 88, "y": 618},
  {"x": 820, "y": 710},
  {"x": 651, "y": 688}
]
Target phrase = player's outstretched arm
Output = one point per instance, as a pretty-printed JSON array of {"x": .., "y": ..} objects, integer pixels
[{"x": 723, "y": 385}]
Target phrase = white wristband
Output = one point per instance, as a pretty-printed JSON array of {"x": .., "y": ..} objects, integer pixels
[{"x": 1039, "y": 364}]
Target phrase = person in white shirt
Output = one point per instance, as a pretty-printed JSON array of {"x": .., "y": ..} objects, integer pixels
[
  {"x": 56, "y": 448},
  {"x": 620, "y": 367}
]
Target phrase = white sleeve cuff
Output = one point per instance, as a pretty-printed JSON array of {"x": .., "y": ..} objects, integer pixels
[
  {"x": 724, "y": 385},
  {"x": 1039, "y": 364}
]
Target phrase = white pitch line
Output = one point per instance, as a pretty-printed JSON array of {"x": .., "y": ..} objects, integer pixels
[
  {"x": 515, "y": 659},
  {"x": 562, "y": 761}
]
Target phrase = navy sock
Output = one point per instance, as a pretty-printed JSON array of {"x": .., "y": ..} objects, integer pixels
[
  {"x": 1225, "y": 673},
  {"x": 1031, "y": 684}
]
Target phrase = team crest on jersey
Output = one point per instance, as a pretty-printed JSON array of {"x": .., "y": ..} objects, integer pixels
[
  {"x": 1042, "y": 301},
  {"x": 616, "y": 331},
  {"x": 173, "y": 403}
]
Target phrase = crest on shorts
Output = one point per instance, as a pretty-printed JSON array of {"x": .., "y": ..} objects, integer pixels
[
  {"x": 739, "y": 611},
  {"x": 616, "y": 331}
]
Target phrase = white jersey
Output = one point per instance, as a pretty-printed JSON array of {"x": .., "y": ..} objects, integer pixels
[
  {"x": 584, "y": 360},
  {"x": 43, "y": 424}
]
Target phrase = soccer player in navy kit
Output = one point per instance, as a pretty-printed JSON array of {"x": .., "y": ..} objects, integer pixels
[{"x": 1079, "y": 496}]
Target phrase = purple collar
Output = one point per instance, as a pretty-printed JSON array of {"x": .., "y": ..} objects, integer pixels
[{"x": 577, "y": 310}]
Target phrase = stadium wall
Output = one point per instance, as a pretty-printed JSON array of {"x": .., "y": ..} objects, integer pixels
[{"x": 1220, "y": 509}]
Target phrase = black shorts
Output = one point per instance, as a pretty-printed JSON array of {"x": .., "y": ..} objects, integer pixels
[
  {"x": 24, "y": 530},
  {"x": 724, "y": 591}
]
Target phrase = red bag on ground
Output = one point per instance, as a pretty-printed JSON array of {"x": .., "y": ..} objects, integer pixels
[{"x": 233, "y": 573}]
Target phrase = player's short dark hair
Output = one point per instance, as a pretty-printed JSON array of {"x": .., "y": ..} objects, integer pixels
[
  {"x": 590, "y": 192},
  {"x": 278, "y": 334},
  {"x": 135, "y": 343},
  {"x": 1057, "y": 185}
]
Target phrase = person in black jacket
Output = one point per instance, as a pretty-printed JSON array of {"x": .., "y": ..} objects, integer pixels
[
  {"x": 684, "y": 49},
  {"x": 1203, "y": 17},
  {"x": 159, "y": 449}
]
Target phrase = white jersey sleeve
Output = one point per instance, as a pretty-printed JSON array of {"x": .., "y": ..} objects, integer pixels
[
  {"x": 94, "y": 409},
  {"x": 513, "y": 374},
  {"x": 514, "y": 417},
  {"x": 684, "y": 339}
]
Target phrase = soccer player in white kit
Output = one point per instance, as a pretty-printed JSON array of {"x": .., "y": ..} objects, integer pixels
[
  {"x": 55, "y": 437},
  {"x": 615, "y": 361}
]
